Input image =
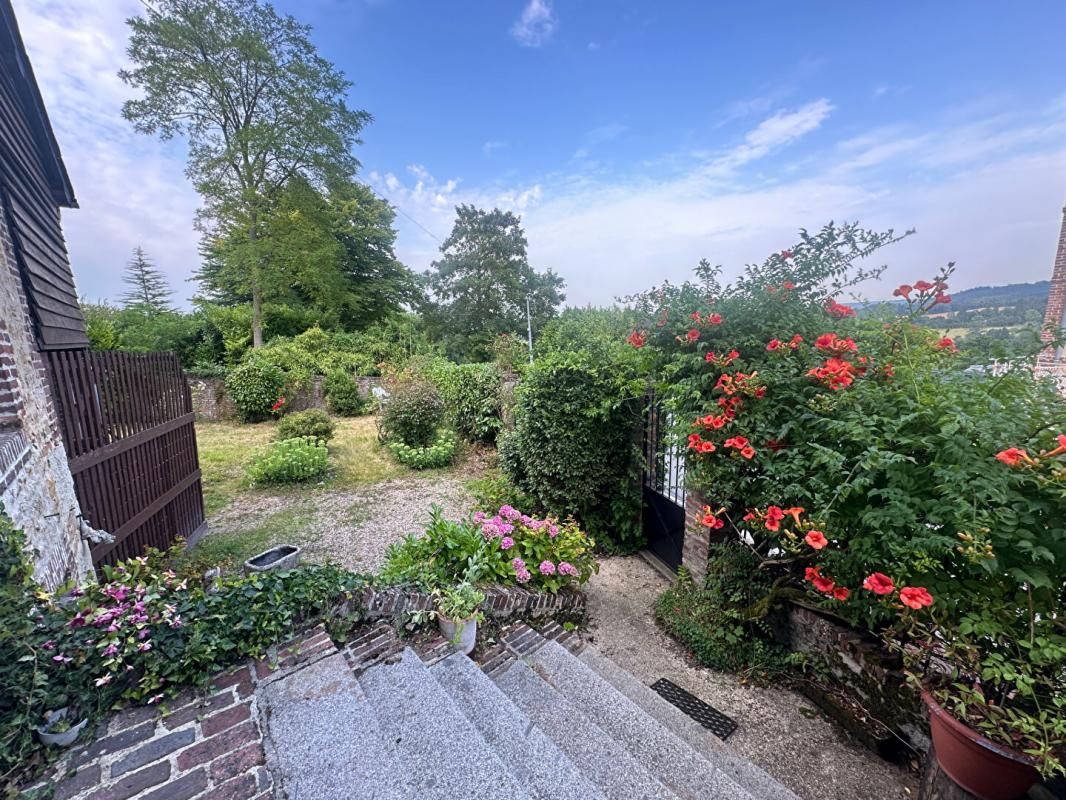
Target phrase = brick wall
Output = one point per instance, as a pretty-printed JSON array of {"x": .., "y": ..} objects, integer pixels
[
  {"x": 500, "y": 602},
  {"x": 36, "y": 488},
  {"x": 698, "y": 537},
  {"x": 1053, "y": 361}
]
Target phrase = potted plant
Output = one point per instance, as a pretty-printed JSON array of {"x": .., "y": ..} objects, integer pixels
[
  {"x": 58, "y": 729},
  {"x": 458, "y": 614}
]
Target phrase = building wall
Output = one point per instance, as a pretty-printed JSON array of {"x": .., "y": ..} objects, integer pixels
[
  {"x": 36, "y": 487},
  {"x": 1052, "y": 361}
]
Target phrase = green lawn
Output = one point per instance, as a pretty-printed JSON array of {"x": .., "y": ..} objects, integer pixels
[{"x": 226, "y": 449}]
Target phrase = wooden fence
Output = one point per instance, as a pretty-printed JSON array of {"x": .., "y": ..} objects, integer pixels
[{"x": 127, "y": 424}]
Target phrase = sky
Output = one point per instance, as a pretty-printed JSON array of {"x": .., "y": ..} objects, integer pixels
[{"x": 633, "y": 138}]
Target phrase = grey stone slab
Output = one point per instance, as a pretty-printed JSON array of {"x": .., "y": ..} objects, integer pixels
[
  {"x": 750, "y": 776},
  {"x": 322, "y": 738},
  {"x": 667, "y": 756},
  {"x": 441, "y": 754},
  {"x": 604, "y": 760},
  {"x": 539, "y": 765}
]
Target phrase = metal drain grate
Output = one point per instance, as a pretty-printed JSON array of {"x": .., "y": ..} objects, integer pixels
[{"x": 709, "y": 717}]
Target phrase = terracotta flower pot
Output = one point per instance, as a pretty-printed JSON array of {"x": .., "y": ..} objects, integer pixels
[{"x": 982, "y": 767}]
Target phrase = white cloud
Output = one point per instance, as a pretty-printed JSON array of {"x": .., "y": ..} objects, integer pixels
[
  {"x": 536, "y": 25},
  {"x": 775, "y": 132},
  {"x": 130, "y": 188},
  {"x": 490, "y": 147}
]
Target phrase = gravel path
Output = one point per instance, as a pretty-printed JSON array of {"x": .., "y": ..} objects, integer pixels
[
  {"x": 779, "y": 729},
  {"x": 353, "y": 527}
]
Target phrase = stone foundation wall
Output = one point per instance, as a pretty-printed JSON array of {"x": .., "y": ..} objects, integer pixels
[
  {"x": 36, "y": 487},
  {"x": 500, "y": 602},
  {"x": 211, "y": 403}
]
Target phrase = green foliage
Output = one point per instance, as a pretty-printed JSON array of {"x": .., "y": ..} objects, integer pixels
[
  {"x": 289, "y": 461},
  {"x": 482, "y": 282},
  {"x": 56, "y": 654},
  {"x": 149, "y": 293},
  {"x": 458, "y": 603},
  {"x": 440, "y": 453},
  {"x": 510, "y": 352},
  {"x": 725, "y": 623},
  {"x": 495, "y": 489},
  {"x": 312, "y": 423},
  {"x": 254, "y": 388},
  {"x": 506, "y": 548},
  {"x": 575, "y": 447},
  {"x": 471, "y": 395},
  {"x": 342, "y": 394},
  {"x": 101, "y": 326},
  {"x": 412, "y": 414}
]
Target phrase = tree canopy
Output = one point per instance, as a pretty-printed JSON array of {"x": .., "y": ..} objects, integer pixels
[
  {"x": 148, "y": 290},
  {"x": 482, "y": 282}
]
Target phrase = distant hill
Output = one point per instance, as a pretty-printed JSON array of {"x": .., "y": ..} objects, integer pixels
[{"x": 1016, "y": 304}]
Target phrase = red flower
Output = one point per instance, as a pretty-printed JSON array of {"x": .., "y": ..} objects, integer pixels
[
  {"x": 695, "y": 315},
  {"x": 942, "y": 299},
  {"x": 775, "y": 445},
  {"x": 888, "y": 370},
  {"x": 794, "y": 512},
  {"x": 774, "y": 515},
  {"x": 788, "y": 285},
  {"x": 1061, "y": 439},
  {"x": 692, "y": 335},
  {"x": 278, "y": 404},
  {"x": 823, "y": 584},
  {"x": 904, "y": 290},
  {"x": 838, "y": 310},
  {"x": 924, "y": 286},
  {"x": 707, "y": 447},
  {"x": 879, "y": 583},
  {"x": 637, "y": 339},
  {"x": 786, "y": 254},
  {"x": 748, "y": 452},
  {"x": 1012, "y": 456},
  {"x": 760, "y": 392},
  {"x": 714, "y": 319},
  {"x": 773, "y": 344},
  {"x": 947, "y": 344},
  {"x": 795, "y": 341},
  {"x": 841, "y": 593},
  {"x": 915, "y": 597},
  {"x": 816, "y": 539},
  {"x": 694, "y": 440},
  {"x": 749, "y": 516},
  {"x": 739, "y": 442},
  {"x": 710, "y": 520}
]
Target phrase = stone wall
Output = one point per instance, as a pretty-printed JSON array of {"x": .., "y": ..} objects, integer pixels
[
  {"x": 211, "y": 403},
  {"x": 36, "y": 487},
  {"x": 501, "y": 602}
]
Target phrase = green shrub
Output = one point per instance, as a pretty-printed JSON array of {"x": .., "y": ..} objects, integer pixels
[
  {"x": 314, "y": 423},
  {"x": 343, "y": 396},
  {"x": 471, "y": 395},
  {"x": 412, "y": 414},
  {"x": 56, "y": 654},
  {"x": 726, "y": 623},
  {"x": 254, "y": 387},
  {"x": 289, "y": 461},
  {"x": 575, "y": 447},
  {"x": 495, "y": 489},
  {"x": 439, "y": 454}
]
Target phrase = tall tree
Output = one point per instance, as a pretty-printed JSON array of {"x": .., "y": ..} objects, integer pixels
[
  {"x": 256, "y": 102},
  {"x": 483, "y": 280},
  {"x": 149, "y": 291}
]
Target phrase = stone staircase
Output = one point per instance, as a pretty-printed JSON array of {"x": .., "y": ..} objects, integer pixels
[{"x": 542, "y": 720}]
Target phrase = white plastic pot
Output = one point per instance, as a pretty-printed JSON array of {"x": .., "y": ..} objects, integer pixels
[
  {"x": 62, "y": 738},
  {"x": 462, "y": 633}
]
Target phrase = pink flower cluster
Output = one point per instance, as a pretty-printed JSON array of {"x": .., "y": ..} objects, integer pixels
[{"x": 522, "y": 575}]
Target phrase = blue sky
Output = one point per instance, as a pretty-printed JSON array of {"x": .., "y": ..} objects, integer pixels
[{"x": 634, "y": 138}]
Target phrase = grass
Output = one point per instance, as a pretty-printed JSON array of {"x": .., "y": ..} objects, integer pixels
[
  {"x": 230, "y": 549},
  {"x": 227, "y": 448}
]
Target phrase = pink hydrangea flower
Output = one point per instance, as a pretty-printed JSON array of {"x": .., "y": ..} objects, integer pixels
[
  {"x": 518, "y": 564},
  {"x": 566, "y": 568},
  {"x": 527, "y": 520},
  {"x": 553, "y": 531},
  {"x": 523, "y": 576},
  {"x": 506, "y": 543},
  {"x": 547, "y": 568},
  {"x": 479, "y": 516},
  {"x": 509, "y": 512}
]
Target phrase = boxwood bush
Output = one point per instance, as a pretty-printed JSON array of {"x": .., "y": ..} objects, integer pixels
[
  {"x": 343, "y": 396},
  {"x": 254, "y": 387},
  {"x": 313, "y": 423},
  {"x": 290, "y": 461},
  {"x": 412, "y": 413}
]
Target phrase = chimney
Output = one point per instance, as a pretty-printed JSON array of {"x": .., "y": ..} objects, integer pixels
[{"x": 1053, "y": 360}]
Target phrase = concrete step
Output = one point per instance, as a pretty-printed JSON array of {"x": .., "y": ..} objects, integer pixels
[
  {"x": 603, "y": 759},
  {"x": 440, "y": 753},
  {"x": 532, "y": 757},
  {"x": 688, "y": 773},
  {"x": 322, "y": 739},
  {"x": 750, "y": 776}
]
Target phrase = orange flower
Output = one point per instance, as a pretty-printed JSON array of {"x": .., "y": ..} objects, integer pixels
[
  {"x": 795, "y": 341},
  {"x": 823, "y": 584},
  {"x": 816, "y": 539},
  {"x": 1012, "y": 456},
  {"x": 748, "y": 452},
  {"x": 692, "y": 335},
  {"x": 841, "y": 593},
  {"x": 915, "y": 597},
  {"x": 637, "y": 339},
  {"x": 714, "y": 319},
  {"x": 946, "y": 343},
  {"x": 879, "y": 583},
  {"x": 774, "y": 515},
  {"x": 794, "y": 512},
  {"x": 773, "y": 344},
  {"x": 707, "y": 447}
]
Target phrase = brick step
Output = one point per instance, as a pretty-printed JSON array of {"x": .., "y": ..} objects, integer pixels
[
  {"x": 439, "y": 753},
  {"x": 688, "y": 773},
  {"x": 534, "y": 759}
]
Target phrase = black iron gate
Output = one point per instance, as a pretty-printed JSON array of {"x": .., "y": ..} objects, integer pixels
[{"x": 663, "y": 514}]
